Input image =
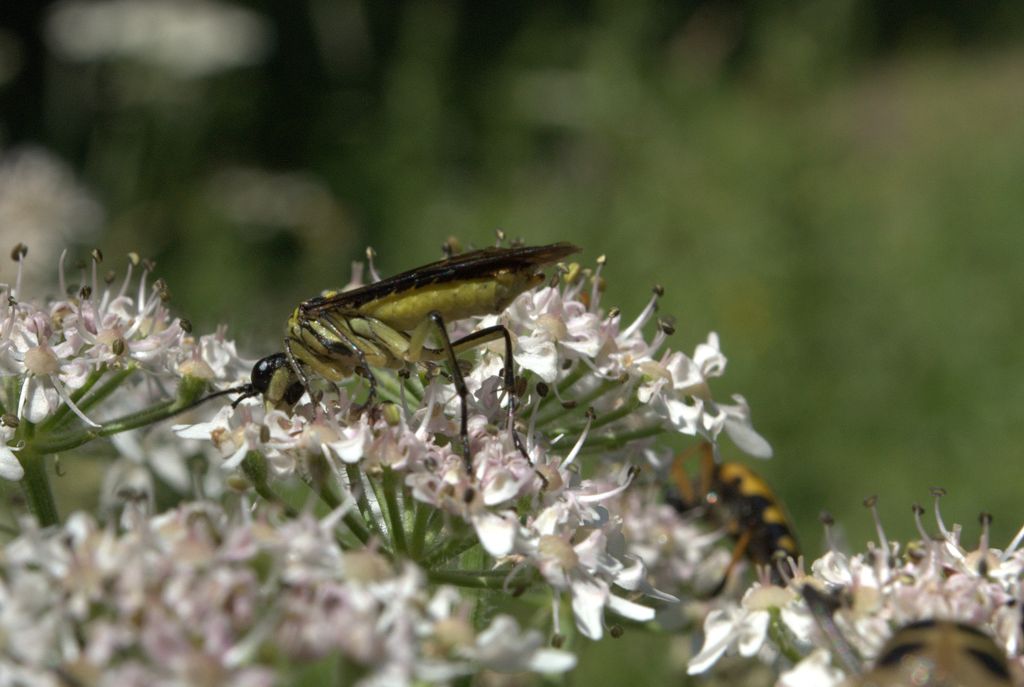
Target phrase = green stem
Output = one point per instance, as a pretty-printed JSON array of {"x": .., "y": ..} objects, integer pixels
[
  {"x": 575, "y": 375},
  {"x": 104, "y": 390},
  {"x": 465, "y": 579},
  {"x": 779, "y": 635},
  {"x": 149, "y": 416},
  {"x": 602, "y": 420},
  {"x": 254, "y": 466},
  {"x": 581, "y": 403},
  {"x": 419, "y": 529},
  {"x": 390, "y": 489},
  {"x": 350, "y": 519},
  {"x": 414, "y": 389},
  {"x": 612, "y": 441},
  {"x": 450, "y": 549},
  {"x": 36, "y": 485},
  {"x": 356, "y": 486},
  {"x": 76, "y": 396}
]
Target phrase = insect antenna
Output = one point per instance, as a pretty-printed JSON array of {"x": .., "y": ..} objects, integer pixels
[{"x": 244, "y": 390}]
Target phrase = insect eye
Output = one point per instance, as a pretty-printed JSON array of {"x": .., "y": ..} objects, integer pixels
[{"x": 264, "y": 369}]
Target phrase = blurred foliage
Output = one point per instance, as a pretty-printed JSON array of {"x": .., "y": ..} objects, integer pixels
[{"x": 834, "y": 187}]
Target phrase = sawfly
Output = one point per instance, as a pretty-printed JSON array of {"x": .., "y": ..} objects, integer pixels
[{"x": 387, "y": 324}]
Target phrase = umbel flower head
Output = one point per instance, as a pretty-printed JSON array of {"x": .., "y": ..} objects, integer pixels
[
  {"x": 334, "y": 514},
  {"x": 870, "y": 596}
]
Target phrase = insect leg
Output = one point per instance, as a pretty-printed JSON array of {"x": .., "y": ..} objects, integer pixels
[
  {"x": 737, "y": 554},
  {"x": 687, "y": 496},
  {"x": 460, "y": 385},
  {"x": 342, "y": 343},
  {"x": 508, "y": 373},
  {"x": 293, "y": 361}
]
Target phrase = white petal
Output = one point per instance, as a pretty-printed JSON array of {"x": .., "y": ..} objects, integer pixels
[
  {"x": 538, "y": 356},
  {"x": 833, "y": 568},
  {"x": 588, "y": 600},
  {"x": 236, "y": 458},
  {"x": 753, "y": 631},
  {"x": 551, "y": 661},
  {"x": 496, "y": 533},
  {"x": 686, "y": 377},
  {"x": 10, "y": 466},
  {"x": 352, "y": 448},
  {"x": 684, "y": 416},
  {"x": 41, "y": 402},
  {"x": 628, "y": 609},
  {"x": 813, "y": 671},
  {"x": 633, "y": 575},
  {"x": 501, "y": 486},
  {"x": 708, "y": 356},
  {"x": 800, "y": 622},
  {"x": 719, "y": 627},
  {"x": 741, "y": 430}
]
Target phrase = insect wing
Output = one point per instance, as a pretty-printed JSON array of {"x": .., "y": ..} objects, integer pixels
[{"x": 471, "y": 265}]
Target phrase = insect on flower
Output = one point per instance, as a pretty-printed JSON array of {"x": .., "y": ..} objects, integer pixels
[
  {"x": 387, "y": 324},
  {"x": 928, "y": 652},
  {"x": 737, "y": 499}
]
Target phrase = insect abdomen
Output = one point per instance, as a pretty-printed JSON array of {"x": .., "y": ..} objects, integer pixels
[{"x": 457, "y": 299}]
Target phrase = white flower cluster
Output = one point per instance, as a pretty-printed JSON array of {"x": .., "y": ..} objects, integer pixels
[
  {"x": 549, "y": 517},
  {"x": 64, "y": 359},
  {"x": 610, "y": 391},
  {"x": 195, "y": 596},
  {"x": 875, "y": 593}
]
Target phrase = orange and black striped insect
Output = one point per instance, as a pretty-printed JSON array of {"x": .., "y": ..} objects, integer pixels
[{"x": 734, "y": 497}]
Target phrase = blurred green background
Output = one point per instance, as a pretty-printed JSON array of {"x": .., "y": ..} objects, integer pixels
[{"x": 835, "y": 187}]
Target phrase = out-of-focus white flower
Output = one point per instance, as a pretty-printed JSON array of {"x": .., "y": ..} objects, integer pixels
[
  {"x": 815, "y": 670},
  {"x": 189, "y": 38},
  {"x": 876, "y": 593},
  {"x": 194, "y": 592},
  {"x": 43, "y": 203},
  {"x": 746, "y": 626},
  {"x": 269, "y": 200}
]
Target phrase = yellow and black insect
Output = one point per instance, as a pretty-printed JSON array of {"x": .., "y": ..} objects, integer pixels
[
  {"x": 732, "y": 496},
  {"x": 924, "y": 653},
  {"x": 939, "y": 653},
  {"x": 387, "y": 324}
]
